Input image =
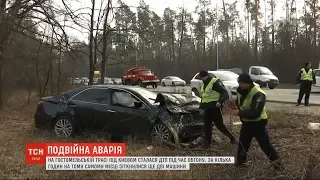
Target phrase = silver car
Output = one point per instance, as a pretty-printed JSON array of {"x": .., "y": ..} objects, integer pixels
[
  {"x": 172, "y": 81},
  {"x": 228, "y": 78}
]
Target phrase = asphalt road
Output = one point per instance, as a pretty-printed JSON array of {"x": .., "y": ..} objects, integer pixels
[{"x": 274, "y": 95}]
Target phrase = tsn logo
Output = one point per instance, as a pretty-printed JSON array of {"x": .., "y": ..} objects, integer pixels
[{"x": 35, "y": 153}]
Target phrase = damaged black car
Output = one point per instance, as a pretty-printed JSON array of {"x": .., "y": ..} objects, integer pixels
[{"x": 121, "y": 111}]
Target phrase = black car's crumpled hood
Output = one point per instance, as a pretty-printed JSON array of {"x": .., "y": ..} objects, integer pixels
[
  {"x": 176, "y": 115},
  {"x": 174, "y": 105}
]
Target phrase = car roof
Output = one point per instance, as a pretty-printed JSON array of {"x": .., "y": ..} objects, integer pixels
[
  {"x": 258, "y": 67},
  {"x": 222, "y": 71},
  {"x": 126, "y": 87},
  {"x": 219, "y": 71}
]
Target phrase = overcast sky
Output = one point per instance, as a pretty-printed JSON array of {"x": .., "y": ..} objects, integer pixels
[{"x": 158, "y": 6}]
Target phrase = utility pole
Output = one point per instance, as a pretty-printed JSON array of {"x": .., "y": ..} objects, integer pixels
[{"x": 136, "y": 42}]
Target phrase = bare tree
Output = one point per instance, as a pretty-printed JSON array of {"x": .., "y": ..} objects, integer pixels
[
  {"x": 91, "y": 43},
  {"x": 104, "y": 41}
]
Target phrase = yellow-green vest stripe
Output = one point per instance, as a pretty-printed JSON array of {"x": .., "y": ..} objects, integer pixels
[
  {"x": 247, "y": 103},
  {"x": 306, "y": 76},
  {"x": 207, "y": 94}
]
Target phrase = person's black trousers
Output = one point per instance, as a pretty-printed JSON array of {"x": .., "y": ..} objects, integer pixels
[
  {"x": 305, "y": 90},
  {"x": 214, "y": 115},
  {"x": 259, "y": 131}
]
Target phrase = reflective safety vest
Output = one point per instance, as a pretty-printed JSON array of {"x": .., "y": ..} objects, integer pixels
[
  {"x": 306, "y": 76},
  {"x": 207, "y": 94},
  {"x": 247, "y": 104}
]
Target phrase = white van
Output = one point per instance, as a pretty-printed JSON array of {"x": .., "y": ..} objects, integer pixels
[
  {"x": 316, "y": 88},
  {"x": 263, "y": 76}
]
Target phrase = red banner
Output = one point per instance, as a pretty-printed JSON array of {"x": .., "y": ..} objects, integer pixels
[{"x": 36, "y": 153}]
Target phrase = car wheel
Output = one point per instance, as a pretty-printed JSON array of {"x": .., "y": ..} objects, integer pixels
[
  {"x": 260, "y": 83},
  {"x": 163, "y": 84},
  {"x": 173, "y": 84},
  {"x": 196, "y": 92},
  {"x": 160, "y": 133},
  {"x": 140, "y": 84},
  {"x": 270, "y": 86},
  {"x": 64, "y": 127}
]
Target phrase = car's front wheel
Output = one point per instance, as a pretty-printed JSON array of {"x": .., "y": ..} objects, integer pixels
[
  {"x": 271, "y": 86},
  {"x": 160, "y": 133},
  {"x": 64, "y": 127}
]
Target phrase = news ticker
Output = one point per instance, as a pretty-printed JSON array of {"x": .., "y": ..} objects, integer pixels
[
  {"x": 132, "y": 163},
  {"x": 108, "y": 156}
]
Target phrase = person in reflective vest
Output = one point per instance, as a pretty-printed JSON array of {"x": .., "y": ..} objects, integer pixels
[
  {"x": 305, "y": 80},
  {"x": 213, "y": 95},
  {"x": 252, "y": 112}
]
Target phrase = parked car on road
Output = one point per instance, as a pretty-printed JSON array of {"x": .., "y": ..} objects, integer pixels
[
  {"x": 96, "y": 80},
  {"x": 263, "y": 76},
  {"x": 120, "y": 111},
  {"x": 228, "y": 78},
  {"x": 108, "y": 80},
  {"x": 172, "y": 81},
  {"x": 117, "y": 80},
  {"x": 76, "y": 81},
  {"x": 316, "y": 88},
  {"x": 84, "y": 80}
]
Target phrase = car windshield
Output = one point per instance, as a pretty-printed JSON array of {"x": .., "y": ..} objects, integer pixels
[
  {"x": 175, "y": 78},
  {"x": 265, "y": 71},
  {"x": 148, "y": 95},
  {"x": 227, "y": 76},
  {"x": 145, "y": 72}
]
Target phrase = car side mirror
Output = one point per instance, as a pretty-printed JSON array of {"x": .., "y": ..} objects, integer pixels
[{"x": 138, "y": 104}]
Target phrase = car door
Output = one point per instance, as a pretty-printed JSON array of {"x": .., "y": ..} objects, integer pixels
[
  {"x": 100, "y": 106},
  {"x": 168, "y": 81},
  {"x": 81, "y": 108},
  {"x": 126, "y": 118},
  {"x": 164, "y": 81},
  {"x": 317, "y": 75},
  {"x": 254, "y": 73}
]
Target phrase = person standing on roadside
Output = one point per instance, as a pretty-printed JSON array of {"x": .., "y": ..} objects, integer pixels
[
  {"x": 305, "y": 80},
  {"x": 251, "y": 110},
  {"x": 213, "y": 95}
]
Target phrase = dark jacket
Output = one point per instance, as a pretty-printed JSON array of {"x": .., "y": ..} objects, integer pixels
[
  {"x": 218, "y": 87},
  {"x": 303, "y": 82},
  {"x": 257, "y": 105}
]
